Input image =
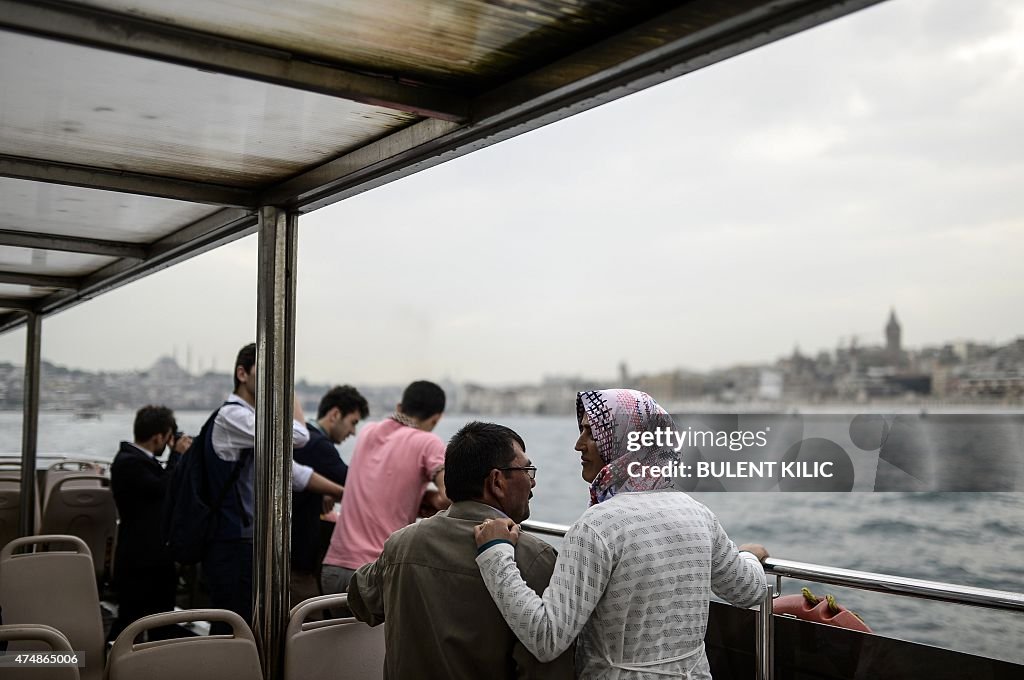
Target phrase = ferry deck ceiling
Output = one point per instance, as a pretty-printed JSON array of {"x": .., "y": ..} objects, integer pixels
[{"x": 135, "y": 134}]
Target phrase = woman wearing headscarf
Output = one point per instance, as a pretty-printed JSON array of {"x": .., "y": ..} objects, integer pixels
[{"x": 634, "y": 577}]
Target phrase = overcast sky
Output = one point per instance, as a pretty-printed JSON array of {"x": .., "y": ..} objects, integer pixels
[{"x": 791, "y": 195}]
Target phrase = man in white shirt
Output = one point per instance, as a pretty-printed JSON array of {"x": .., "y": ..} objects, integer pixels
[{"x": 227, "y": 562}]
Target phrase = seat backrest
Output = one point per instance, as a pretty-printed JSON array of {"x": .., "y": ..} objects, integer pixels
[
  {"x": 30, "y": 637},
  {"x": 61, "y": 469},
  {"x": 55, "y": 588},
  {"x": 316, "y": 650},
  {"x": 10, "y": 509},
  {"x": 83, "y": 505},
  {"x": 12, "y": 472},
  {"x": 204, "y": 657}
]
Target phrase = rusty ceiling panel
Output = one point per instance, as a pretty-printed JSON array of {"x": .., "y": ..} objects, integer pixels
[
  {"x": 465, "y": 44},
  {"x": 87, "y": 107}
]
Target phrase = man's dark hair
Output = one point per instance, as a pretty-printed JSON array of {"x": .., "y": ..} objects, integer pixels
[
  {"x": 422, "y": 399},
  {"x": 472, "y": 453},
  {"x": 347, "y": 399},
  {"x": 153, "y": 420},
  {"x": 246, "y": 359}
]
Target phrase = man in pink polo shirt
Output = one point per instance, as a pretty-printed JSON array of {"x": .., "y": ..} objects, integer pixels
[{"x": 393, "y": 463}]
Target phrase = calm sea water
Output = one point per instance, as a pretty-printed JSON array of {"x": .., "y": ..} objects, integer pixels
[{"x": 973, "y": 539}]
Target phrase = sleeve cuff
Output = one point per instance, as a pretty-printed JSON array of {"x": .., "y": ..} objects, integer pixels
[
  {"x": 491, "y": 544},
  {"x": 752, "y": 558},
  {"x": 300, "y": 476},
  {"x": 300, "y": 434}
]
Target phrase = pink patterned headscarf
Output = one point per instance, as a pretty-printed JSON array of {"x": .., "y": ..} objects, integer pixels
[{"x": 613, "y": 414}]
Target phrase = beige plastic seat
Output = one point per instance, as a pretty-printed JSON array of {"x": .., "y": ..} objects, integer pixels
[
  {"x": 83, "y": 505},
  {"x": 10, "y": 470},
  {"x": 10, "y": 473},
  {"x": 10, "y": 509},
  {"x": 62, "y": 469},
  {"x": 30, "y": 637},
  {"x": 316, "y": 650},
  {"x": 55, "y": 588},
  {"x": 213, "y": 657}
]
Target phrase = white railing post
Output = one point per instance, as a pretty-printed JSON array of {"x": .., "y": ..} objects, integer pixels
[{"x": 766, "y": 637}]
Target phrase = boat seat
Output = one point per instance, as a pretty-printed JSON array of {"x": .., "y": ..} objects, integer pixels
[
  {"x": 83, "y": 505},
  {"x": 32, "y": 637},
  {"x": 54, "y": 588},
  {"x": 63, "y": 469},
  {"x": 315, "y": 650},
  {"x": 10, "y": 509},
  {"x": 204, "y": 657},
  {"x": 10, "y": 468},
  {"x": 10, "y": 505}
]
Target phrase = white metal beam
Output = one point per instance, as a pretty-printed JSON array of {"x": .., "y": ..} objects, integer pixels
[
  {"x": 19, "y": 304},
  {"x": 40, "y": 280},
  {"x": 71, "y": 244},
  {"x": 210, "y": 232},
  {"x": 125, "y": 182}
]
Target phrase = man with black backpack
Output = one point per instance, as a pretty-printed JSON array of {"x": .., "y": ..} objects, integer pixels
[{"x": 229, "y": 476}]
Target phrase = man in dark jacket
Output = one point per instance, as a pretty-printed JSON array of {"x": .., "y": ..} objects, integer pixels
[
  {"x": 339, "y": 412},
  {"x": 144, "y": 574}
]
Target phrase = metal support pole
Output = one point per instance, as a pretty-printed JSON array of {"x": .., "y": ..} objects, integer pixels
[
  {"x": 275, "y": 353},
  {"x": 766, "y": 637},
  {"x": 30, "y": 425}
]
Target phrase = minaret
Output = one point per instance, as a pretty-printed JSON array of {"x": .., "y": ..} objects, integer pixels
[{"x": 892, "y": 336}]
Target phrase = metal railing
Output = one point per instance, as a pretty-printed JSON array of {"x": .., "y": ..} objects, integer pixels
[
  {"x": 895, "y": 585},
  {"x": 862, "y": 580}
]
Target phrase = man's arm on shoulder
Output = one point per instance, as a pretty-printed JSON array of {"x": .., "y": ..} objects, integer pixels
[{"x": 366, "y": 592}]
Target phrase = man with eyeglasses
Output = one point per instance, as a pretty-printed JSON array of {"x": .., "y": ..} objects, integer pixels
[{"x": 428, "y": 572}]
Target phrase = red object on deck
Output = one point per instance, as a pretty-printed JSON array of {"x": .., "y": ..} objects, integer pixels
[{"x": 808, "y": 607}]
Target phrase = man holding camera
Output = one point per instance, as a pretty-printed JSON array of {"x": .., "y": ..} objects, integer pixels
[{"x": 145, "y": 578}]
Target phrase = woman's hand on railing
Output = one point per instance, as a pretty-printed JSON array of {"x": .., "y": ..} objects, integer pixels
[{"x": 755, "y": 549}]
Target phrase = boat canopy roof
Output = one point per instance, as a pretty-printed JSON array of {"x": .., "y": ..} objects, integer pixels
[{"x": 135, "y": 134}]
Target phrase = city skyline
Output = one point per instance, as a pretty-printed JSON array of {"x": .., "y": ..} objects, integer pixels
[
  {"x": 967, "y": 374},
  {"x": 185, "y": 359},
  {"x": 788, "y": 196}
]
